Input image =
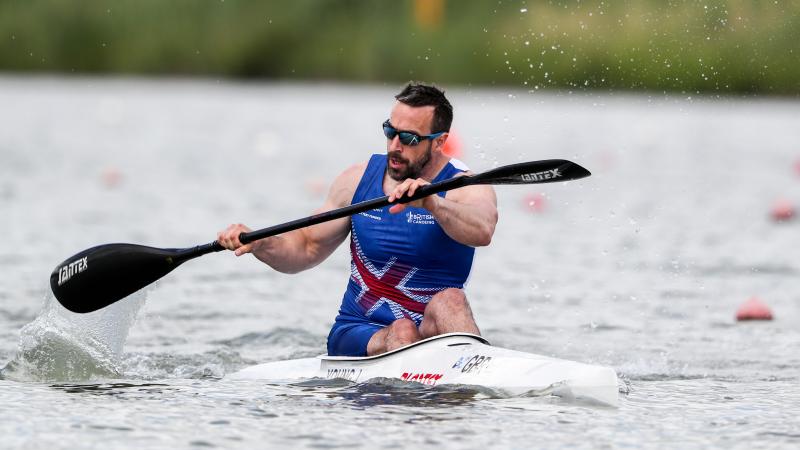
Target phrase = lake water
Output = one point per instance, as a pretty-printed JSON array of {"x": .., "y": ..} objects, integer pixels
[{"x": 640, "y": 267}]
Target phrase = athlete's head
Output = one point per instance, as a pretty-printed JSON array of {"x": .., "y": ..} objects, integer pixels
[
  {"x": 418, "y": 126},
  {"x": 418, "y": 94}
]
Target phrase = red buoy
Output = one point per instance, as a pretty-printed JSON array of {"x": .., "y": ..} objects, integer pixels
[
  {"x": 452, "y": 146},
  {"x": 782, "y": 211},
  {"x": 111, "y": 177},
  {"x": 535, "y": 203},
  {"x": 753, "y": 309}
]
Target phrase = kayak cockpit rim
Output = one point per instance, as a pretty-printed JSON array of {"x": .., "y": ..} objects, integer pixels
[{"x": 467, "y": 339}]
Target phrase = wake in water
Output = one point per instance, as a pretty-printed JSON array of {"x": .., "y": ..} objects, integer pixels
[{"x": 63, "y": 346}]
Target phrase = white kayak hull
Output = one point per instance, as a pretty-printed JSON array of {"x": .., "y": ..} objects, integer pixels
[{"x": 455, "y": 358}]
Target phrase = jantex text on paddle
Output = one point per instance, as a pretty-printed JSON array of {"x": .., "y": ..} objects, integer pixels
[
  {"x": 66, "y": 272},
  {"x": 538, "y": 176}
]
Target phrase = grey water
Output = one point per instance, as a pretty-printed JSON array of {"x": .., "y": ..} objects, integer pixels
[{"x": 640, "y": 267}]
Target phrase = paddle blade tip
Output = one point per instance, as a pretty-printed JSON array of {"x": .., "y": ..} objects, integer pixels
[
  {"x": 534, "y": 172},
  {"x": 102, "y": 275}
]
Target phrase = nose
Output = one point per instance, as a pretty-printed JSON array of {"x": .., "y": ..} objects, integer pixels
[{"x": 395, "y": 144}]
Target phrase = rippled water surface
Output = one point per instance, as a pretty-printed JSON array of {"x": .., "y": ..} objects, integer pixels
[{"x": 640, "y": 267}]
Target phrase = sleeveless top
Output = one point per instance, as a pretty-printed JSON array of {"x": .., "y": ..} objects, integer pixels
[{"x": 399, "y": 261}]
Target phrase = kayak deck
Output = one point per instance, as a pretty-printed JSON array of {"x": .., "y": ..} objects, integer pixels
[{"x": 455, "y": 358}]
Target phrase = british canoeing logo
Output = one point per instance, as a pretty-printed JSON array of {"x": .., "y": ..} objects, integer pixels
[
  {"x": 73, "y": 268},
  {"x": 539, "y": 176},
  {"x": 421, "y": 219}
]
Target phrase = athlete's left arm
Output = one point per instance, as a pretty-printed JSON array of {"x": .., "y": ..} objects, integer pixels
[{"x": 468, "y": 215}]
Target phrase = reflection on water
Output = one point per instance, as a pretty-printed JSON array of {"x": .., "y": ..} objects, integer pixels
[
  {"x": 392, "y": 392},
  {"x": 387, "y": 392}
]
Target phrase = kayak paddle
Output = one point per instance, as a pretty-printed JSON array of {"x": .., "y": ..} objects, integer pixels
[{"x": 102, "y": 275}]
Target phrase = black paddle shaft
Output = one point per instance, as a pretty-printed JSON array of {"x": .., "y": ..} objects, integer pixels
[
  {"x": 102, "y": 275},
  {"x": 546, "y": 171}
]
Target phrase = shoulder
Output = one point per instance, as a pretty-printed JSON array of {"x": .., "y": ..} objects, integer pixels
[
  {"x": 352, "y": 175},
  {"x": 344, "y": 186}
]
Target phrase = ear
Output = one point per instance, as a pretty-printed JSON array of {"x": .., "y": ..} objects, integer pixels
[{"x": 438, "y": 143}]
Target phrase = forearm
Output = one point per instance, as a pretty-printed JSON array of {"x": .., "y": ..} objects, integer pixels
[
  {"x": 466, "y": 223},
  {"x": 304, "y": 248},
  {"x": 286, "y": 253}
]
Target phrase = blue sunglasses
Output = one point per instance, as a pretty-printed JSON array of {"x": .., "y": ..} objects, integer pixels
[{"x": 407, "y": 137}]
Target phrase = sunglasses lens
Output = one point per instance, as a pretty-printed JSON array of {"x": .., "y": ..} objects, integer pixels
[
  {"x": 408, "y": 138},
  {"x": 389, "y": 131}
]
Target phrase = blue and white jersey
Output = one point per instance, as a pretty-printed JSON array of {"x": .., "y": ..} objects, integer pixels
[{"x": 399, "y": 261}]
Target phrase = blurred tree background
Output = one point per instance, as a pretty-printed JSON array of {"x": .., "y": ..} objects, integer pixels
[{"x": 710, "y": 47}]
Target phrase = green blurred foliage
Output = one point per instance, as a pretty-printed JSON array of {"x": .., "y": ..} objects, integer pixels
[{"x": 713, "y": 46}]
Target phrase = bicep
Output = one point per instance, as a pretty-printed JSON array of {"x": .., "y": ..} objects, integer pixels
[{"x": 481, "y": 197}]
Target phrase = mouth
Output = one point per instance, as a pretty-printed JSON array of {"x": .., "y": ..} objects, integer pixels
[{"x": 396, "y": 162}]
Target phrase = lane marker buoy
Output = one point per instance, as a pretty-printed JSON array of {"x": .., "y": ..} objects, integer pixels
[
  {"x": 535, "y": 203},
  {"x": 753, "y": 309},
  {"x": 782, "y": 211},
  {"x": 452, "y": 146}
]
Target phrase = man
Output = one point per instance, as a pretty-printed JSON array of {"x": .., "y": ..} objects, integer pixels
[{"x": 409, "y": 261}]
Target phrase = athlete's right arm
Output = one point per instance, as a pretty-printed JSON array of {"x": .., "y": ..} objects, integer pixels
[{"x": 302, "y": 249}]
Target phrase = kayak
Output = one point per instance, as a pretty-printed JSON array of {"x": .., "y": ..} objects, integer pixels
[{"x": 455, "y": 358}]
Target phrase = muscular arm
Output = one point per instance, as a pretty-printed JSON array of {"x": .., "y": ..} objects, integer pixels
[
  {"x": 303, "y": 249},
  {"x": 468, "y": 215}
]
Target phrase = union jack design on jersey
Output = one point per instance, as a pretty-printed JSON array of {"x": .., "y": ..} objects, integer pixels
[
  {"x": 388, "y": 286},
  {"x": 398, "y": 263}
]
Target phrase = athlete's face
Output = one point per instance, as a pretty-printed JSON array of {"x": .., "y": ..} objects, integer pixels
[{"x": 408, "y": 161}]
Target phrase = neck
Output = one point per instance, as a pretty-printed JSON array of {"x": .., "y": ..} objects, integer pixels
[{"x": 434, "y": 166}]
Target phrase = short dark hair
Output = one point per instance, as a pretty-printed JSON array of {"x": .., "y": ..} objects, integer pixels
[{"x": 419, "y": 94}]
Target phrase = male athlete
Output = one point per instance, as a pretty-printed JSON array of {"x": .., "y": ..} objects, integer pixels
[{"x": 409, "y": 261}]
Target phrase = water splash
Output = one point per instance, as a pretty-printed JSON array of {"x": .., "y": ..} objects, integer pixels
[{"x": 63, "y": 346}]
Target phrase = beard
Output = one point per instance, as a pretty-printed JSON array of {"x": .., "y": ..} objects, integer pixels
[{"x": 410, "y": 170}]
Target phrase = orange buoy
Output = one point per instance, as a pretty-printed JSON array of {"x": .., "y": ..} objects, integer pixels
[
  {"x": 782, "y": 211},
  {"x": 753, "y": 309},
  {"x": 452, "y": 146}
]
